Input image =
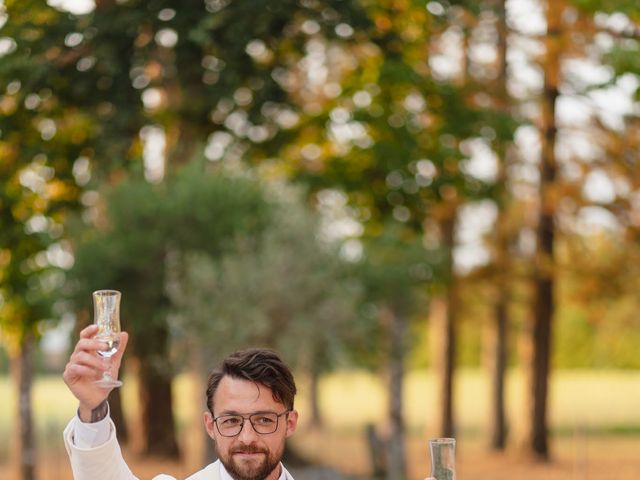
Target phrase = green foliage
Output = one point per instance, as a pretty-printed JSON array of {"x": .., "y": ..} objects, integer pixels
[
  {"x": 39, "y": 140},
  {"x": 406, "y": 164},
  {"x": 393, "y": 141},
  {"x": 630, "y": 7},
  {"x": 575, "y": 340},
  {"x": 289, "y": 290},
  {"x": 625, "y": 58},
  {"x": 75, "y": 77},
  {"x": 596, "y": 321},
  {"x": 102, "y": 63},
  {"x": 148, "y": 225},
  {"x": 396, "y": 266},
  {"x": 208, "y": 211},
  {"x": 597, "y": 316},
  {"x": 610, "y": 343},
  {"x": 400, "y": 274},
  {"x": 401, "y": 166}
]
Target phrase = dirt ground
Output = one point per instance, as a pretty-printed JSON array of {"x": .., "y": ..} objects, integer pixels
[{"x": 587, "y": 458}]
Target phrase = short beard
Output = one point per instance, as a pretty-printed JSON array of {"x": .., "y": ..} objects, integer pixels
[{"x": 263, "y": 470}]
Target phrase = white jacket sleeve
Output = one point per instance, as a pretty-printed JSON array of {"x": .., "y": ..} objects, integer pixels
[
  {"x": 94, "y": 434},
  {"x": 104, "y": 462}
]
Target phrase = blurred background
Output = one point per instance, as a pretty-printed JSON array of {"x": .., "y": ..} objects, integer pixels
[{"x": 430, "y": 208}]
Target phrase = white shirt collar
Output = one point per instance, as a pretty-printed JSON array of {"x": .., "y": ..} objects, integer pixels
[{"x": 224, "y": 475}]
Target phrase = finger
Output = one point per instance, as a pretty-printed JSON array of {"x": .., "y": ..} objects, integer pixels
[
  {"x": 89, "y": 345},
  {"x": 87, "y": 359},
  {"x": 89, "y": 332},
  {"x": 75, "y": 372}
]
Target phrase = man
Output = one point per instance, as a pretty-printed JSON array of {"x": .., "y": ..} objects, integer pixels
[{"x": 249, "y": 415}]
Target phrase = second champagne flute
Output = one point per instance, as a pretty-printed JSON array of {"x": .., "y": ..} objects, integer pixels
[{"x": 443, "y": 458}]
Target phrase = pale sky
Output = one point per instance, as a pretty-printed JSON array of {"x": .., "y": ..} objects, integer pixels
[{"x": 78, "y": 7}]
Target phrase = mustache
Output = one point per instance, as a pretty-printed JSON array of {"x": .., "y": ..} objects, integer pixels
[{"x": 247, "y": 449}]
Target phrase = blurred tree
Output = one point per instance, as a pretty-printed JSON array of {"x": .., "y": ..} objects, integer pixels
[
  {"x": 483, "y": 27},
  {"x": 145, "y": 226},
  {"x": 40, "y": 140},
  {"x": 393, "y": 138},
  {"x": 617, "y": 47},
  {"x": 563, "y": 195},
  {"x": 286, "y": 289},
  {"x": 600, "y": 289},
  {"x": 396, "y": 271},
  {"x": 340, "y": 95},
  {"x": 195, "y": 68},
  {"x": 576, "y": 152},
  {"x": 181, "y": 70},
  {"x": 543, "y": 297},
  {"x": 597, "y": 300},
  {"x": 501, "y": 242}
]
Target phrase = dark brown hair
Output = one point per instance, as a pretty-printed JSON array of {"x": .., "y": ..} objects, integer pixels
[{"x": 257, "y": 365}]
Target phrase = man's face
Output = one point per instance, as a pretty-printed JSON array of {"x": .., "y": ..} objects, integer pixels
[{"x": 249, "y": 455}]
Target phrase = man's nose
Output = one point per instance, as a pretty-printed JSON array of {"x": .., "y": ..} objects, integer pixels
[{"x": 247, "y": 432}]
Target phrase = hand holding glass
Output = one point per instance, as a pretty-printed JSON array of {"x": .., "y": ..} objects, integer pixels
[{"x": 106, "y": 310}]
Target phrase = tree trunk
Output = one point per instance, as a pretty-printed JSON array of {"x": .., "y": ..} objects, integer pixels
[
  {"x": 448, "y": 332},
  {"x": 159, "y": 436},
  {"x": 117, "y": 414},
  {"x": 156, "y": 402},
  {"x": 501, "y": 315},
  {"x": 397, "y": 327},
  {"x": 498, "y": 369},
  {"x": 377, "y": 452},
  {"x": 544, "y": 281},
  {"x": 314, "y": 397},
  {"x": 22, "y": 368}
]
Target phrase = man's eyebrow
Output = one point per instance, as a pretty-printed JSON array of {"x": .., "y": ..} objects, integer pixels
[
  {"x": 235, "y": 412},
  {"x": 228, "y": 412}
]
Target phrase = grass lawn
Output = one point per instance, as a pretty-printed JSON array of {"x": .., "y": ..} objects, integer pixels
[{"x": 594, "y": 416}]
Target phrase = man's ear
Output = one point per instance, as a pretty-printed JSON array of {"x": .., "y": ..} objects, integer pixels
[
  {"x": 292, "y": 422},
  {"x": 209, "y": 424}
]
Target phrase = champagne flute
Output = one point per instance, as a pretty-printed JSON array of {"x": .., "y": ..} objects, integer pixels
[
  {"x": 443, "y": 458},
  {"x": 106, "y": 310}
]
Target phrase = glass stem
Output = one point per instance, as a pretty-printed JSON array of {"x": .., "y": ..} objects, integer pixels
[{"x": 107, "y": 368}]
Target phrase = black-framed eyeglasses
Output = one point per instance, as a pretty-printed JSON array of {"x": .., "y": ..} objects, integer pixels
[{"x": 263, "y": 423}]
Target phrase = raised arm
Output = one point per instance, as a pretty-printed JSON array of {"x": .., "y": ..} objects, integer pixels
[
  {"x": 85, "y": 367},
  {"x": 90, "y": 440}
]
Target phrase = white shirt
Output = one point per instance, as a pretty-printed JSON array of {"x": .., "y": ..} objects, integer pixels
[{"x": 90, "y": 435}]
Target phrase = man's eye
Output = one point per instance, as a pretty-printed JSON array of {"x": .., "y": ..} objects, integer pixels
[
  {"x": 263, "y": 420},
  {"x": 231, "y": 421}
]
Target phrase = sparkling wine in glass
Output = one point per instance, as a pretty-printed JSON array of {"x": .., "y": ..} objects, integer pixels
[
  {"x": 106, "y": 311},
  {"x": 443, "y": 458}
]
